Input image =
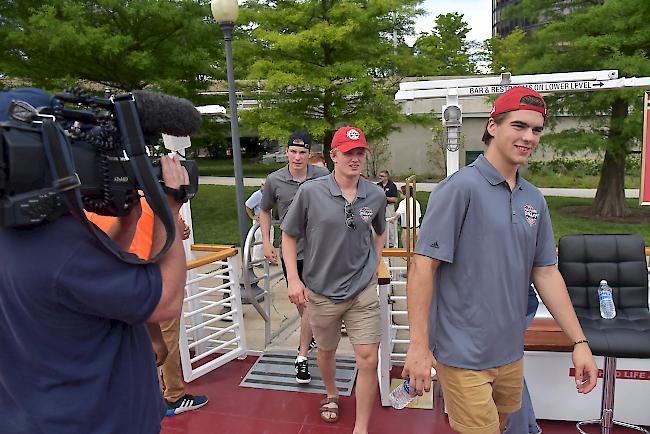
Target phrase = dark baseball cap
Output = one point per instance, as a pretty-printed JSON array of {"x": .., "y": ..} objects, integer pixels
[
  {"x": 300, "y": 138},
  {"x": 37, "y": 98}
]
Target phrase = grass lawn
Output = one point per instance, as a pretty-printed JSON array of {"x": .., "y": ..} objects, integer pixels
[
  {"x": 252, "y": 168},
  {"x": 562, "y": 180},
  {"x": 564, "y": 224},
  {"x": 215, "y": 217},
  {"x": 214, "y": 214}
]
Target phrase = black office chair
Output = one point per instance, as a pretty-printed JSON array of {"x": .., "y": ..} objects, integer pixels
[{"x": 584, "y": 260}]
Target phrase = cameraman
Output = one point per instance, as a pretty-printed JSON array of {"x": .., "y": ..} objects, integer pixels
[{"x": 76, "y": 356}]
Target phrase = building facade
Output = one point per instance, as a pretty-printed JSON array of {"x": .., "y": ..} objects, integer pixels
[{"x": 503, "y": 25}]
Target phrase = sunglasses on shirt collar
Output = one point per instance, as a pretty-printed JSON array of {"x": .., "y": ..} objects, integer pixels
[{"x": 349, "y": 216}]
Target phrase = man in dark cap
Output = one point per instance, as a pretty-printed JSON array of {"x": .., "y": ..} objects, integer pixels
[{"x": 281, "y": 186}]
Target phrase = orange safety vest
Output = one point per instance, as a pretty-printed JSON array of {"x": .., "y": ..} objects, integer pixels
[{"x": 143, "y": 238}]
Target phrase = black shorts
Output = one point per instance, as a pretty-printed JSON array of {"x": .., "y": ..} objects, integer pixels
[{"x": 284, "y": 269}]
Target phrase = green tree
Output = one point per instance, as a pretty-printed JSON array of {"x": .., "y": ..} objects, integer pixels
[
  {"x": 596, "y": 35},
  {"x": 506, "y": 54},
  {"x": 446, "y": 50},
  {"x": 167, "y": 44},
  {"x": 377, "y": 157},
  {"x": 324, "y": 64}
]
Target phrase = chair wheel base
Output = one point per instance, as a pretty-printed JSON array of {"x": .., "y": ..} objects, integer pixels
[{"x": 605, "y": 430}]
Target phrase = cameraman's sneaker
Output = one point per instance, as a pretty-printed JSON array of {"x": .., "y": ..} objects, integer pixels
[
  {"x": 302, "y": 370},
  {"x": 186, "y": 403}
]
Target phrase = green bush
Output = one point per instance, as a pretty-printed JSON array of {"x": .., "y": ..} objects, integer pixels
[
  {"x": 578, "y": 166},
  {"x": 633, "y": 164}
]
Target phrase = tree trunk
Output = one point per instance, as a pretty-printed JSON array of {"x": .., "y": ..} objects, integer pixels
[
  {"x": 610, "y": 197},
  {"x": 327, "y": 146},
  {"x": 329, "y": 133}
]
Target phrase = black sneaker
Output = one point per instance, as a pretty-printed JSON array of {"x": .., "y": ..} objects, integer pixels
[
  {"x": 312, "y": 346},
  {"x": 186, "y": 403},
  {"x": 302, "y": 372}
]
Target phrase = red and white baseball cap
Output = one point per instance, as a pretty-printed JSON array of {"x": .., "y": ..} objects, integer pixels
[
  {"x": 347, "y": 138},
  {"x": 510, "y": 101}
]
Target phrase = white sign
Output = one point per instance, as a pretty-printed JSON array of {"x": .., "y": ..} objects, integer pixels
[
  {"x": 174, "y": 143},
  {"x": 539, "y": 87}
]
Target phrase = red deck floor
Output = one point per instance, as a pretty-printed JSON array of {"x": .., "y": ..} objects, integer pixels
[{"x": 240, "y": 410}]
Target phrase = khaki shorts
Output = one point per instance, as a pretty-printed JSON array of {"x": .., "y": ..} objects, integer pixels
[
  {"x": 360, "y": 313},
  {"x": 413, "y": 239},
  {"x": 474, "y": 399}
]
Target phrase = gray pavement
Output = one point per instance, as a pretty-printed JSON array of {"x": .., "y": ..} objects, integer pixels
[{"x": 429, "y": 186}]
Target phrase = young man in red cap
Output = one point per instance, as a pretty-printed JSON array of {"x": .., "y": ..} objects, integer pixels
[
  {"x": 336, "y": 215},
  {"x": 485, "y": 236}
]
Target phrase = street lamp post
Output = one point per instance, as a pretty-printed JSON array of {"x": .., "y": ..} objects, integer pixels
[
  {"x": 452, "y": 119},
  {"x": 225, "y": 12}
]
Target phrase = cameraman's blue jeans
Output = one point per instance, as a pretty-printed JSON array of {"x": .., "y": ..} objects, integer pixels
[{"x": 524, "y": 421}]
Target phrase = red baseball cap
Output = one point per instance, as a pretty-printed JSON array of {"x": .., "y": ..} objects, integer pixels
[
  {"x": 347, "y": 138},
  {"x": 510, "y": 101}
]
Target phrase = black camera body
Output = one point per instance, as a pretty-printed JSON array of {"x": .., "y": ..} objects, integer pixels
[{"x": 100, "y": 150}]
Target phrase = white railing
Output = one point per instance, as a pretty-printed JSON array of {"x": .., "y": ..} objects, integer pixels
[
  {"x": 264, "y": 308},
  {"x": 394, "y": 318},
  {"x": 212, "y": 324}
]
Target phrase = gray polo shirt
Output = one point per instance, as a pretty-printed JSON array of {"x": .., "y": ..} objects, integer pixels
[
  {"x": 339, "y": 261},
  {"x": 280, "y": 188},
  {"x": 488, "y": 239}
]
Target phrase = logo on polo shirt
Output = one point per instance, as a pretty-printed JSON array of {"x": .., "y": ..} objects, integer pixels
[
  {"x": 365, "y": 213},
  {"x": 435, "y": 245},
  {"x": 531, "y": 214}
]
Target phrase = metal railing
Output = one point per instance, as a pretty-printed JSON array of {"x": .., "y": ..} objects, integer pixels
[
  {"x": 212, "y": 329},
  {"x": 411, "y": 216},
  {"x": 250, "y": 279},
  {"x": 394, "y": 317}
]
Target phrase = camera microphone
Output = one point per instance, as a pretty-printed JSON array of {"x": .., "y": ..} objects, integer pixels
[{"x": 165, "y": 114}]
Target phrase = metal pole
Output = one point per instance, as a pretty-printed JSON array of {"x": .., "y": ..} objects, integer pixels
[
  {"x": 452, "y": 133},
  {"x": 227, "y": 27}
]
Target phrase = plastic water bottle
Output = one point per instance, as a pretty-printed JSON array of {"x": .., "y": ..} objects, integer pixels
[
  {"x": 400, "y": 396},
  {"x": 607, "y": 308}
]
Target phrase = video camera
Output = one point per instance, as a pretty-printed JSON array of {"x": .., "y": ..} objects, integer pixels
[{"x": 90, "y": 146}]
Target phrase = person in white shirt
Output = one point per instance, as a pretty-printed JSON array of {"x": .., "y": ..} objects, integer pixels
[
  {"x": 253, "y": 211},
  {"x": 414, "y": 210}
]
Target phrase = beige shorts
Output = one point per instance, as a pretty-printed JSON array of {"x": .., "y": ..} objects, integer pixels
[
  {"x": 412, "y": 240},
  {"x": 474, "y": 399},
  {"x": 360, "y": 313}
]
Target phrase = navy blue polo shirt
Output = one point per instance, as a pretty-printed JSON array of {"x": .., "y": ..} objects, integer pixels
[
  {"x": 489, "y": 239},
  {"x": 76, "y": 357}
]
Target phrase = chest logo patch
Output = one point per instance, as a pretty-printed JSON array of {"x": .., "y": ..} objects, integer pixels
[
  {"x": 365, "y": 213},
  {"x": 531, "y": 214}
]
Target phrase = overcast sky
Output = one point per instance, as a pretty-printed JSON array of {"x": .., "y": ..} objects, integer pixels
[{"x": 477, "y": 13}]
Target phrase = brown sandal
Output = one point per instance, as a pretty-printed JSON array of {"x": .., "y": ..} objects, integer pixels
[{"x": 330, "y": 410}]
